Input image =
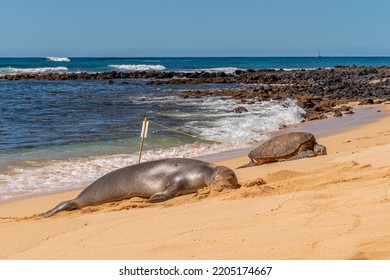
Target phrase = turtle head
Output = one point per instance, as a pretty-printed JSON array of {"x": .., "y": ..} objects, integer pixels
[{"x": 319, "y": 150}]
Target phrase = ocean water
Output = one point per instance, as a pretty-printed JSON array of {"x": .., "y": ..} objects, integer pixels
[
  {"x": 102, "y": 64},
  {"x": 61, "y": 135}
]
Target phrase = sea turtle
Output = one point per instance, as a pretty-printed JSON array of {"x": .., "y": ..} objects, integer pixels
[{"x": 289, "y": 146}]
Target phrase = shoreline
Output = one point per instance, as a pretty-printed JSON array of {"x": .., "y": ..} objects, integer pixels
[
  {"x": 363, "y": 114},
  {"x": 327, "y": 207}
]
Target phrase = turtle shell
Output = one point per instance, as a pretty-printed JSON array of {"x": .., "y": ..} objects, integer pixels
[{"x": 282, "y": 146}]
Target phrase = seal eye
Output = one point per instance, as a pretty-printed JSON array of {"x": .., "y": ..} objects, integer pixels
[{"x": 176, "y": 164}]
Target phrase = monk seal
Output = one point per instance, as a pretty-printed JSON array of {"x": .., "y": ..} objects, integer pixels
[{"x": 157, "y": 180}]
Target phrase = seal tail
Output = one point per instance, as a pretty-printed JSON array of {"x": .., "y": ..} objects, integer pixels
[{"x": 63, "y": 206}]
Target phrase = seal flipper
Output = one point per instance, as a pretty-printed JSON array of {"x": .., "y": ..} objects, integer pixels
[
  {"x": 161, "y": 196},
  {"x": 63, "y": 206},
  {"x": 171, "y": 191}
]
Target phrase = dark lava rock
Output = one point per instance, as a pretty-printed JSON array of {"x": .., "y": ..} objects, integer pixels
[
  {"x": 345, "y": 108},
  {"x": 337, "y": 113},
  {"x": 367, "y": 102},
  {"x": 240, "y": 110}
]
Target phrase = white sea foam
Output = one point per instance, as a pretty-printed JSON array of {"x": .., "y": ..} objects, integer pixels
[
  {"x": 39, "y": 70},
  {"x": 216, "y": 119},
  {"x": 137, "y": 67},
  {"x": 58, "y": 59},
  {"x": 295, "y": 69},
  {"x": 227, "y": 70},
  {"x": 252, "y": 126}
]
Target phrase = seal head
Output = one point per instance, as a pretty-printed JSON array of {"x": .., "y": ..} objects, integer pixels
[{"x": 223, "y": 177}]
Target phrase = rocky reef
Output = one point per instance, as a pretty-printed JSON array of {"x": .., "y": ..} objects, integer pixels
[{"x": 318, "y": 91}]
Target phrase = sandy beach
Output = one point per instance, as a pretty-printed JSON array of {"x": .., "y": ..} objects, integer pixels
[{"x": 329, "y": 207}]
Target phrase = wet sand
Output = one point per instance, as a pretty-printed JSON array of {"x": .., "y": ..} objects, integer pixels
[{"x": 329, "y": 207}]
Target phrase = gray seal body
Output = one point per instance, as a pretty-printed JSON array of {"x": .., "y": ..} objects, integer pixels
[{"x": 157, "y": 180}]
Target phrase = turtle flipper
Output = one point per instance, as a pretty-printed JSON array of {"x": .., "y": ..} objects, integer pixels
[
  {"x": 302, "y": 154},
  {"x": 252, "y": 163}
]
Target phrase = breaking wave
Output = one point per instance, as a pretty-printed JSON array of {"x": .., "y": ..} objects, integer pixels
[
  {"x": 39, "y": 70},
  {"x": 58, "y": 59},
  {"x": 227, "y": 70},
  {"x": 252, "y": 126},
  {"x": 137, "y": 67}
]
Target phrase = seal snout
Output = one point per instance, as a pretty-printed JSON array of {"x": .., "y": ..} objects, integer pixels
[{"x": 225, "y": 177}]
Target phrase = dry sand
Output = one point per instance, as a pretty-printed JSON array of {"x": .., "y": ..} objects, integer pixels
[{"x": 330, "y": 207}]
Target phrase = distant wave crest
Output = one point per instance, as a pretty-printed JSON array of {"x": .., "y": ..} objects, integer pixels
[
  {"x": 138, "y": 67},
  {"x": 227, "y": 70},
  {"x": 58, "y": 59},
  {"x": 40, "y": 70}
]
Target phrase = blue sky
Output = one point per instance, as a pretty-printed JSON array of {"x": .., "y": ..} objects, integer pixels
[{"x": 194, "y": 28}]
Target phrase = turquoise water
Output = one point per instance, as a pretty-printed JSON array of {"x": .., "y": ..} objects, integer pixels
[
  {"x": 57, "y": 135},
  {"x": 79, "y": 64}
]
